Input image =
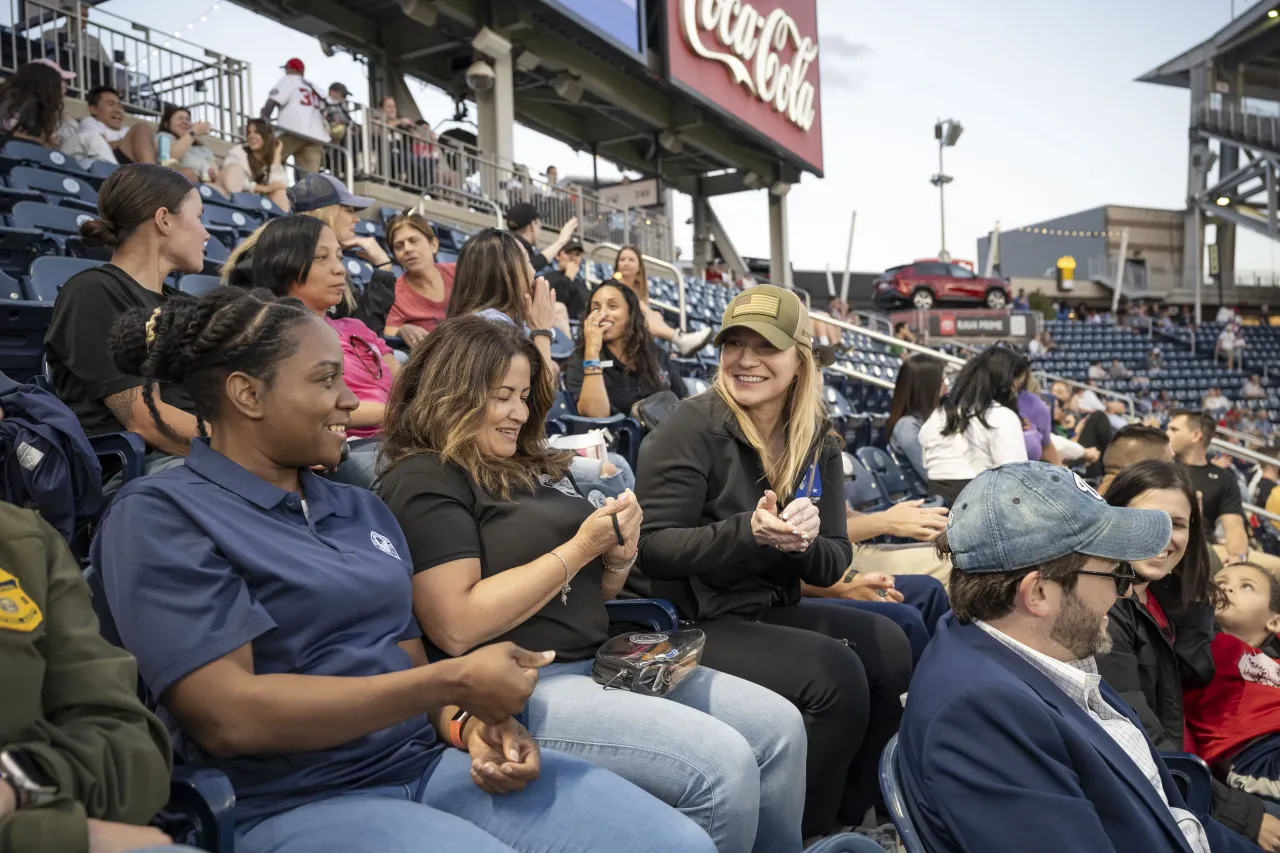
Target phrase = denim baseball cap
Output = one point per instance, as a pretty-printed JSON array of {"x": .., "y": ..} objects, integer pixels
[{"x": 1027, "y": 513}]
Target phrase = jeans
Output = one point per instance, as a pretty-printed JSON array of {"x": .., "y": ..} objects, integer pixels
[
  {"x": 725, "y": 752},
  {"x": 360, "y": 469},
  {"x": 571, "y": 806},
  {"x": 595, "y": 488},
  {"x": 845, "y": 670},
  {"x": 924, "y": 603}
]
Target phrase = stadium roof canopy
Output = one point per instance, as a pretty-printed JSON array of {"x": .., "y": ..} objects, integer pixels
[
  {"x": 1250, "y": 44},
  {"x": 572, "y": 82}
]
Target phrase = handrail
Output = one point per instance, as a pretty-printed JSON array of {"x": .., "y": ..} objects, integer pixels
[
  {"x": 1240, "y": 437},
  {"x": 1102, "y": 392},
  {"x": 886, "y": 339},
  {"x": 861, "y": 377},
  {"x": 1243, "y": 452},
  {"x": 1259, "y": 511},
  {"x": 650, "y": 262}
]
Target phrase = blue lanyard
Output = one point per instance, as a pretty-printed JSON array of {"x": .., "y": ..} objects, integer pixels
[{"x": 811, "y": 485}]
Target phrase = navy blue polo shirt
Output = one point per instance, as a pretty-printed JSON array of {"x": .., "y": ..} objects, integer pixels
[{"x": 203, "y": 558}]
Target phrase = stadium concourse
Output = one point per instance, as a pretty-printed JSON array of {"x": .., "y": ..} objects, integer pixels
[{"x": 285, "y": 590}]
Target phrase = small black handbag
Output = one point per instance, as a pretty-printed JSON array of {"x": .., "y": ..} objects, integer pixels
[{"x": 649, "y": 411}]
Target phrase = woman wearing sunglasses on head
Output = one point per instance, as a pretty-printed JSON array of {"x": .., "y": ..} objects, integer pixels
[
  {"x": 743, "y": 493},
  {"x": 300, "y": 256},
  {"x": 1162, "y": 630}
]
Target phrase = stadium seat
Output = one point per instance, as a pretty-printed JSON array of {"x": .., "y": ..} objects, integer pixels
[
  {"x": 1193, "y": 778},
  {"x": 22, "y": 328},
  {"x": 259, "y": 204},
  {"x": 56, "y": 188},
  {"x": 228, "y": 224},
  {"x": 361, "y": 271},
  {"x": 895, "y": 799},
  {"x": 563, "y": 419},
  {"x": 17, "y": 152},
  {"x": 50, "y": 222},
  {"x": 861, "y": 489},
  {"x": 369, "y": 228},
  {"x": 198, "y": 285},
  {"x": 655, "y": 613},
  {"x": 889, "y": 474},
  {"x": 48, "y": 274},
  {"x": 201, "y": 801},
  {"x": 216, "y": 250},
  {"x": 100, "y": 170}
]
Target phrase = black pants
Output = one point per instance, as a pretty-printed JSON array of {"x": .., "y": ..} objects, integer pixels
[
  {"x": 845, "y": 670},
  {"x": 949, "y": 489}
]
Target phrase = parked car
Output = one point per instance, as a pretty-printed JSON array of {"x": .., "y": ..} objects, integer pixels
[{"x": 924, "y": 284}]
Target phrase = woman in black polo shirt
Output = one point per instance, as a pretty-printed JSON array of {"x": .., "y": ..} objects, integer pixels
[
  {"x": 150, "y": 216},
  {"x": 504, "y": 547},
  {"x": 616, "y": 363},
  {"x": 743, "y": 490}
]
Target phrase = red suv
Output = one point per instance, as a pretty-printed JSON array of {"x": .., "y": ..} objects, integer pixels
[{"x": 924, "y": 283}]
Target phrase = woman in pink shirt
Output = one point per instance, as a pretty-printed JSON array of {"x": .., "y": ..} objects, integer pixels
[
  {"x": 422, "y": 293},
  {"x": 299, "y": 256}
]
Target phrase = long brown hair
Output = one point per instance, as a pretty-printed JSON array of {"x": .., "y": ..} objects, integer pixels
[
  {"x": 491, "y": 273},
  {"x": 918, "y": 390},
  {"x": 641, "y": 286},
  {"x": 438, "y": 404},
  {"x": 260, "y": 161}
]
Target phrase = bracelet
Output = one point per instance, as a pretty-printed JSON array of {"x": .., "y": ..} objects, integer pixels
[
  {"x": 456, "y": 725},
  {"x": 564, "y": 593},
  {"x": 620, "y": 570},
  {"x": 380, "y": 266},
  {"x": 547, "y": 333},
  {"x": 593, "y": 371},
  {"x": 591, "y": 362}
]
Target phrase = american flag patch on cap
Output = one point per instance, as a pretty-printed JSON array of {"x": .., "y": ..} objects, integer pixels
[{"x": 757, "y": 303}]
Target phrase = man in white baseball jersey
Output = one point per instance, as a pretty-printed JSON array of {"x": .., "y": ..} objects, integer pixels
[{"x": 301, "y": 120}]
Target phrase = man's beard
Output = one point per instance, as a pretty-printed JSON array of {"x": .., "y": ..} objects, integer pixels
[{"x": 1079, "y": 630}]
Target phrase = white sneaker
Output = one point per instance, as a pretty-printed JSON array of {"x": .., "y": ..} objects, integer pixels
[{"x": 691, "y": 342}]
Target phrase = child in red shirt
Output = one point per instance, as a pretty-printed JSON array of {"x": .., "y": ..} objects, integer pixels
[{"x": 1235, "y": 720}]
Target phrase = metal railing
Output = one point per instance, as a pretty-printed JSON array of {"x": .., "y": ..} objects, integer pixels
[
  {"x": 1261, "y": 513},
  {"x": 650, "y": 264},
  {"x": 1240, "y": 437},
  {"x": 1047, "y": 379},
  {"x": 150, "y": 70},
  {"x": 886, "y": 339},
  {"x": 446, "y": 169},
  {"x": 1243, "y": 452},
  {"x": 1242, "y": 124}
]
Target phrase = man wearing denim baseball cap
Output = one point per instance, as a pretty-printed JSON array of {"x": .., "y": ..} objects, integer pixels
[{"x": 1010, "y": 741}]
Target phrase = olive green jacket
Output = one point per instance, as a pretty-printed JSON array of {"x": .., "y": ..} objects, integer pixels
[{"x": 69, "y": 698}]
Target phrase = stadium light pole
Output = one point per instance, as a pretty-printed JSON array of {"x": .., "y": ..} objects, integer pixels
[{"x": 947, "y": 132}]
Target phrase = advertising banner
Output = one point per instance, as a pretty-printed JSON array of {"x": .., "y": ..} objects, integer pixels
[{"x": 619, "y": 21}]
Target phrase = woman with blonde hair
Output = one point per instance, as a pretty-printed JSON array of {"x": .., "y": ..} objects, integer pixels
[
  {"x": 629, "y": 271},
  {"x": 422, "y": 293},
  {"x": 504, "y": 547},
  {"x": 743, "y": 490}
]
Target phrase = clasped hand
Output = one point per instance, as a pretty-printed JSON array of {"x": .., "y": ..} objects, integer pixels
[{"x": 792, "y": 530}]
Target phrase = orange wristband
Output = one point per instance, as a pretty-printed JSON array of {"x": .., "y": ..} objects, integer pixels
[{"x": 456, "y": 725}]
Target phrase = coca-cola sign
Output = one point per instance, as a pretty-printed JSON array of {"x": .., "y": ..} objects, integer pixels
[{"x": 755, "y": 62}]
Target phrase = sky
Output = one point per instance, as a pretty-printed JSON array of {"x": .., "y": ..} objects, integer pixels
[{"x": 1054, "y": 121}]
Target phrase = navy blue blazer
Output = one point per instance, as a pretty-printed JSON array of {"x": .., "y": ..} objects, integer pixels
[{"x": 994, "y": 757}]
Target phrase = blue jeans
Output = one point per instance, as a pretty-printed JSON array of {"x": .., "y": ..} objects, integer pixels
[
  {"x": 924, "y": 603},
  {"x": 595, "y": 488},
  {"x": 727, "y": 753},
  {"x": 571, "y": 806}
]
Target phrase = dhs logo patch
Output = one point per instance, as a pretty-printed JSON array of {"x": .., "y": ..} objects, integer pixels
[{"x": 383, "y": 544}]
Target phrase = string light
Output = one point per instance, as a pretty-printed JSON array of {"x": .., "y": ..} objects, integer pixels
[
  {"x": 191, "y": 25},
  {"x": 1051, "y": 232}
]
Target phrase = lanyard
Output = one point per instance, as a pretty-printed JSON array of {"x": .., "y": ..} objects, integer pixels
[{"x": 811, "y": 485}]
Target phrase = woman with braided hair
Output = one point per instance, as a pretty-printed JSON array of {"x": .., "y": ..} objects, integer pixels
[
  {"x": 270, "y": 610},
  {"x": 150, "y": 216}
]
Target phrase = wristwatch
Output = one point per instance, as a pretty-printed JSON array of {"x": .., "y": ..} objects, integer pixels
[{"x": 31, "y": 789}]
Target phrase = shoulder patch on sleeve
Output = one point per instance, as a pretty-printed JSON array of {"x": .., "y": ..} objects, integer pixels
[{"x": 17, "y": 611}]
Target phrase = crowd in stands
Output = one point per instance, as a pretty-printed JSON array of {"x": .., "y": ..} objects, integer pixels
[{"x": 359, "y": 578}]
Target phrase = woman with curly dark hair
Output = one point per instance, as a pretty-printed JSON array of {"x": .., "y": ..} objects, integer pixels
[
  {"x": 31, "y": 103},
  {"x": 616, "y": 363}
]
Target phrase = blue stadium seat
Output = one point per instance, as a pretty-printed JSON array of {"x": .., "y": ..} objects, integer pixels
[
  {"x": 259, "y": 204},
  {"x": 895, "y": 799},
  {"x": 198, "y": 285},
  {"x": 100, "y": 170},
  {"x": 369, "y": 228},
  {"x": 889, "y": 474},
  {"x": 56, "y": 188},
  {"x": 216, "y": 250},
  {"x": 361, "y": 271},
  {"x": 60, "y": 224},
  {"x": 861, "y": 489},
  {"x": 22, "y": 328},
  {"x": 48, "y": 274},
  {"x": 228, "y": 224},
  {"x": 655, "y": 613},
  {"x": 1192, "y": 776},
  {"x": 17, "y": 152}
]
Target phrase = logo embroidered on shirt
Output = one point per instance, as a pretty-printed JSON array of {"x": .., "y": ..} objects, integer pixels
[
  {"x": 383, "y": 544},
  {"x": 564, "y": 486},
  {"x": 17, "y": 611}
]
